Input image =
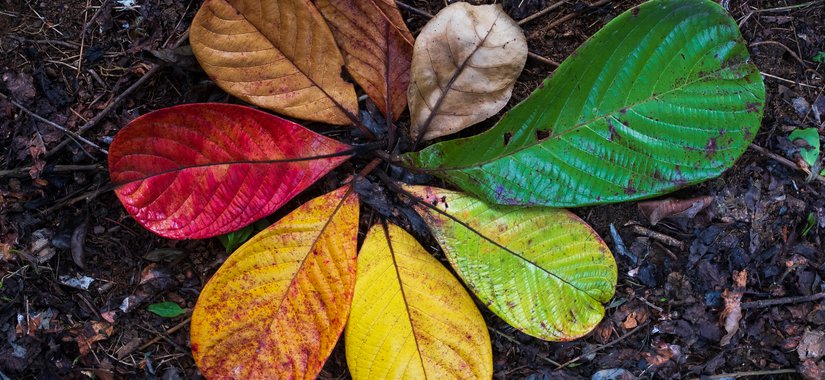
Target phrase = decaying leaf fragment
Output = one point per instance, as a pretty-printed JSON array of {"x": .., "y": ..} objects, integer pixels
[
  {"x": 377, "y": 48},
  {"x": 279, "y": 55},
  {"x": 465, "y": 63},
  {"x": 732, "y": 313},
  {"x": 411, "y": 318}
]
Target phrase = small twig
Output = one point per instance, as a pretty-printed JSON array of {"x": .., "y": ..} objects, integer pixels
[
  {"x": 749, "y": 373},
  {"x": 784, "y": 161},
  {"x": 514, "y": 340},
  {"x": 786, "y": 80},
  {"x": 540, "y": 13},
  {"x": 671, "y": 241},
  {"x": 782, "y": 301},
  {"x": 414, "y": 10},
  {"x": 789, "y": 7},
  {"x": 170, "y": 331},
  {"x": 542, "y": 59},
  {"x": 23, "y": 171},
  {"x": 602, "y": 347},
  {"x": 73, "y": 135}
]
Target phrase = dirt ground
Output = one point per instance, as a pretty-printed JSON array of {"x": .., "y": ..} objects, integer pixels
[{"x": 91, "y": 66}]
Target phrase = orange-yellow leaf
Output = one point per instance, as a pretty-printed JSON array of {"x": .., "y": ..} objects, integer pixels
[
  {"x": 410, "y": 317},
  {"x": 377, "y": 48},
  {"x": 277, "y": 306},
  {"x": 279, "y": 55}
]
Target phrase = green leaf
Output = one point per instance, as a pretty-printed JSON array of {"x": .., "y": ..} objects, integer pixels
[
  {"x": 664, "y": 96},
  {"x": 819, "y": 57},
  {"x": 544, "y": 271},
  {"x": 234, "y": 239},
  {"x": 166, "y": 309},
  {"x": 809, "y": 153}
]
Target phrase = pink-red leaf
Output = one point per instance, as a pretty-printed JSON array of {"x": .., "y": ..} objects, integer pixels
[{"x": 201, "y": 170}]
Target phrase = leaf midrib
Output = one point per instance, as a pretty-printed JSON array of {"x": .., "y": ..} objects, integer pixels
[{"x": 579, "y": 126}]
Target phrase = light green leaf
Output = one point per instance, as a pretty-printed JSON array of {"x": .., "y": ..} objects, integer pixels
[
  {"x": 809, "y": 153},
  {"x": 544, "y": 271},
  {"x": 166, "y": 309},
  {"x": 664, "y": 96}
]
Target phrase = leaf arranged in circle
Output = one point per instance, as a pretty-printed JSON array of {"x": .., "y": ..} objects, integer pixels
[
  {"x": 279, "y": 55},
  {"x": 465, "y": 64},
  {"x": 377, "y": 48},
  {"x": 276, "y": 307},
  {"x": 410, "y": 317},
  {"x": 544, "y": 271},
  {"x": 662, "y": 97},
  {"x": 201, "y": 170}
]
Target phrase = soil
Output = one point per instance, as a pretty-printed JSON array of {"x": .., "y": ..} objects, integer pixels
[{"x": 73, "y": 63}]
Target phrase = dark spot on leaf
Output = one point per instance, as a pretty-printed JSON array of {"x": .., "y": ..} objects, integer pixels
[
  {"x": 613, "y": 134},
  {"x": 635, "y": 11},
  {"x": 657, "y": 175},
  {"x": 507, "y": 137},
  {"x": 752, "y": 107},
  {"x": 623, "y": 111},
  {"x": 682, "y": 55},
  {"x": 748, "y": 134},
  {"x": 630, "y": 189},
  {"x": 511, "y": 304},
  {"x": 722, "y": 131},
  {"x": 541, "y": 134},
  {"x": 711, "y": 148}
]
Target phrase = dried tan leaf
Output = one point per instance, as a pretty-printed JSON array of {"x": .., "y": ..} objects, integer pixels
[
  {"x": 279, "y": 55},
  {"x": 732, "y": 313},
  {"x": 657, "y": 210},
  {"x": 465, "y": 63},
  {"x": 377, "y": 48}
]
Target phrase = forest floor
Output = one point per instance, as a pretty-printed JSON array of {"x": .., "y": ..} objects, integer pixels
[{"x": 91, "y": 67}]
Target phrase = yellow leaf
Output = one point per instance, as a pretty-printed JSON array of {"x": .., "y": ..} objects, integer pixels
[
  {"x": 277, "y": 306},
  {"x": 465, "y": 64},
  {"x": 410, "y": 317},
  {"x": 279, "y": 55}
]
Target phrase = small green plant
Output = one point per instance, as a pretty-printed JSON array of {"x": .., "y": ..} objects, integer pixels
[{"x": 663, "y": 97}]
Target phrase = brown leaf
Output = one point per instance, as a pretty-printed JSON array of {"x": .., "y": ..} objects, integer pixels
[
  {"x": 279, "y": 55},
  {"x": 465, "y": 63},
  {"x": 91, "y": 333},
  {"x": 732, "y": 313},
  {"x": 657, "y": 210},
  {"x": 377, "y": 48}
]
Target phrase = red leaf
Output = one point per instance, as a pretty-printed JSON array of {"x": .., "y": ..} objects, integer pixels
[{"x": 200, "y": 170}]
